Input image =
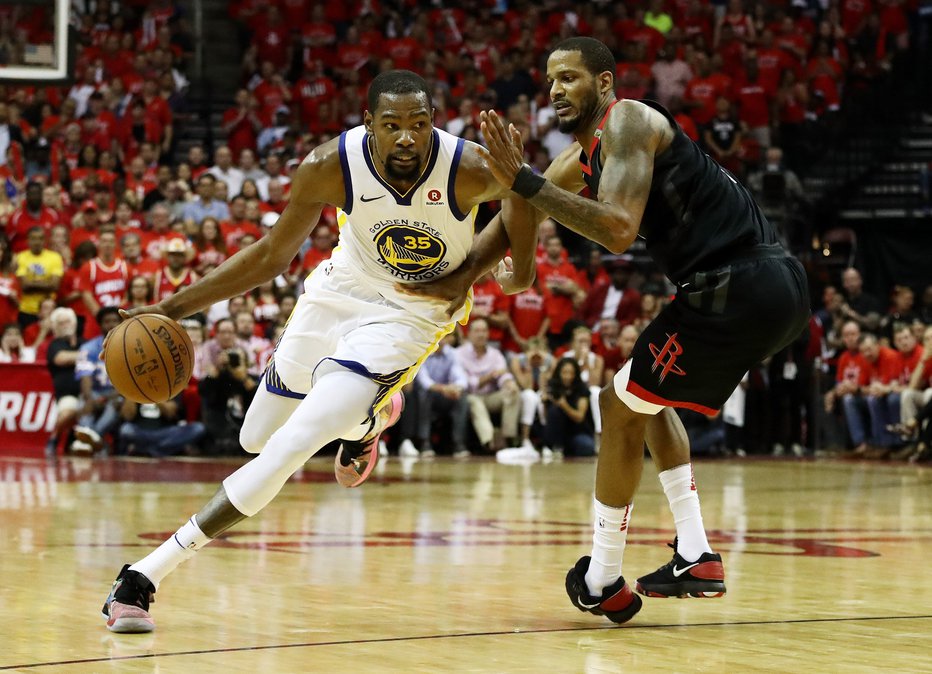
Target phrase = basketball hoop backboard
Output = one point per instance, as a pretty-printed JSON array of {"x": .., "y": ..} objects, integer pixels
[{"x": 35, "y": 42}]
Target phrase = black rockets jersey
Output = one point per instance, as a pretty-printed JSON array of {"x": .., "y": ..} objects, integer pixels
[{"x": 697, "y": 215}]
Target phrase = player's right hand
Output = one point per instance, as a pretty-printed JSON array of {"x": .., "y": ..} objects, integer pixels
[{"x": 130, "y": 313}]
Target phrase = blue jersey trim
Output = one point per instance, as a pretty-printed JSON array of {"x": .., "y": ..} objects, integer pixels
[
  {"x": 451, "y": 182},
  {"x": 347, "y": 178},
  {"x": 403, "y": 199}
]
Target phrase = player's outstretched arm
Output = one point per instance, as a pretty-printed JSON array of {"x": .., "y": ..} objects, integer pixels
[
  {"x": 629, "y": 143},
  {"x": 317, "y": 181}
]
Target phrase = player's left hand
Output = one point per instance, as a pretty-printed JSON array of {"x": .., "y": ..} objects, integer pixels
[{"x": 505, "y": 153}]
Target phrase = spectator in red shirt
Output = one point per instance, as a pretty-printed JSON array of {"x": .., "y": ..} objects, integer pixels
[
  {"x": 177, "y": 273},
  {"x": 527, "y": 319},
  {"x": 238, "y": 225},
  {"x": 491, "y": 303},
  {"x": 771, "y": 62},
  {"x": 315, "y": 86},
  {"x": 271, "y": 92},
  {"x": 138, "y": 264},
  {"x": 241, "y": 123},
  {"x": 854, "y": 15},
  {"x": 702, "y": 92},
  {"x": 99, "y": 125},
  {"x": 919, "y": 390},
  {"x": 852, "y": 374},
  {"x": 882, "y": 394},
  {"x": 738, "y": 20},
  {"x": 685, "y": 121},
  {"x": 105, "y": 279},
  {"x": 139, "y": 294},
  {"x": 10, "y": 290},
  {"x": 210, "y": 249},
  {"x": 70, "y": 293},
  {"x": 753, "y": 104},
  {"x": 158, "y": 113},
  {"x": 31, "y": 214},
  {"x": 612, "y": 298},
  {"x": 351, "y": 54},
  {"x": 322, "y": 241},
  {"x": 318, "y": 37},
  {"x": 561, "y": 287},
  {"x": 272, "y": 37}
]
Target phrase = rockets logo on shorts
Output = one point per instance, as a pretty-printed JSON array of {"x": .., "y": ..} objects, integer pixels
[{"x": 411, "y": 252}]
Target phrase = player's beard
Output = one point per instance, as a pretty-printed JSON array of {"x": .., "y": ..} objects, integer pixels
[
  {"x": 583, "y": 112},
  {"x": 396, "y": 172}
]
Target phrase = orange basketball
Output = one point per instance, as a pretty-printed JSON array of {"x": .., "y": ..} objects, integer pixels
[{"x": 149, "y": 358}]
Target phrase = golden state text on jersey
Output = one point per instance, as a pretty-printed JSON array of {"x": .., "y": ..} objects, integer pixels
[{"x": 390, "y": 236}]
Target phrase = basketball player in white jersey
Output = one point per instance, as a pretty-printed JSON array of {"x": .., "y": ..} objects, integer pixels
[{"x": 407, "y": 195}]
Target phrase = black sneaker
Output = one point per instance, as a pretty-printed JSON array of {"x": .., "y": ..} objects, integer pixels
[
  {"x": 704, "y": 578},
  {"x": 127, "y": 605},
  {"x": 617, "y": 603}
]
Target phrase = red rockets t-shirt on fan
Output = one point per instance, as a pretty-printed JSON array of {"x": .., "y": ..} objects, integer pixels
[
  {"x": 489, "y": 298},
  {"x": 107, "y": 283},
  {"x": 166, "y": 284},
  {"x": 527, "y": 315}
]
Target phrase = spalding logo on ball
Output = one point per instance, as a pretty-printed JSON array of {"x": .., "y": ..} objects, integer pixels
[{"x": 149, "y": 358}]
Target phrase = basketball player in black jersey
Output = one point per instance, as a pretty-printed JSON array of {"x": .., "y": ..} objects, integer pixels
[{"x": 740, "y": 298}]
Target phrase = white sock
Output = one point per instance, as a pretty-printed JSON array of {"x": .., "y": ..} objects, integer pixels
[
  {"x": 608, "y": 546},
  {"x": 680, "y": 488},
  {"x": 179, "y": 548}
]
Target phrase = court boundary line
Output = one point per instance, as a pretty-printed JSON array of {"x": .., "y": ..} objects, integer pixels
[{"x": 460, "y": 635}]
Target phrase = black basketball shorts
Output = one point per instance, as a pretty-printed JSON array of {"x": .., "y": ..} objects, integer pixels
[{"x": 719, "y": 325}]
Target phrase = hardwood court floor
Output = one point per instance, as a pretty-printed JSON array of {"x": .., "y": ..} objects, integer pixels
[{"x": 450, "y": 566}]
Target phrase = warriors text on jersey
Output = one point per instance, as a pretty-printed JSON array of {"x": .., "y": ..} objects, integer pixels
[
  {"x": 697, "y": 216},
  {"x": 387, "y": 236}
]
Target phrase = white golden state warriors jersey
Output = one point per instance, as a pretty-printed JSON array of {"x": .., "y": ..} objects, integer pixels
[{"x": 387, "y": 237}]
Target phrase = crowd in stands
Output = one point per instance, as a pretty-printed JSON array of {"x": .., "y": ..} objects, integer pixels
[{"x": 103, "y": 206}]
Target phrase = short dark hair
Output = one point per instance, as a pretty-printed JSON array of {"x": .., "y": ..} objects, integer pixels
[
  {"x": 396, "y": 82},
  {"x": 103, "y": 312},
  {"x": 595, "y": 55}
]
